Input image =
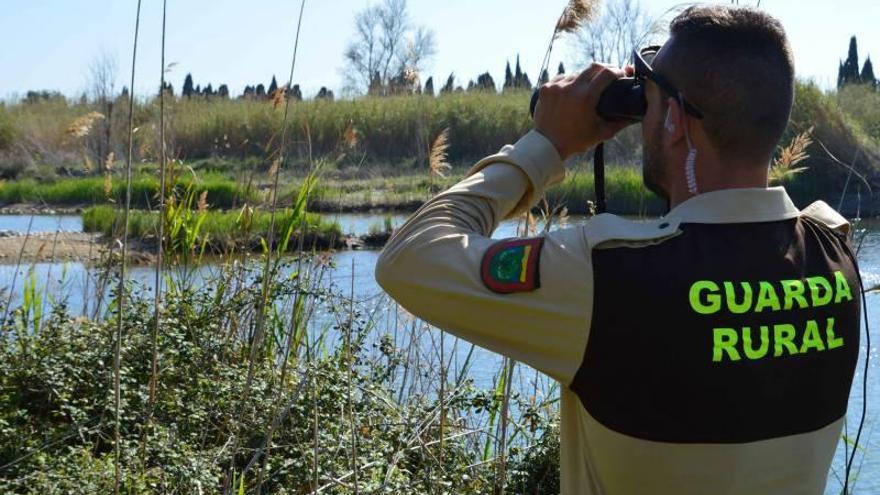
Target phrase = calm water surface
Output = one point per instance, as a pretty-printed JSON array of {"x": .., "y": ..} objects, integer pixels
[{"x": 41, "y": 223}]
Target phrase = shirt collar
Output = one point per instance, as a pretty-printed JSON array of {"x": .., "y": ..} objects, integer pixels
[{"x": 737, "y": 206}]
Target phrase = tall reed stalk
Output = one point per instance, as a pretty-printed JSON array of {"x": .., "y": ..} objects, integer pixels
[
  {"x": 120, "y": 305},
  {"x": 160, "y": 244},
  {"x": 268, "y": 269}
]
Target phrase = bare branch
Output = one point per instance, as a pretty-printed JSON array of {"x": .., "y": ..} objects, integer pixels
[
  {"x": 385, "y": 46},
  {"x": 621, "y": 27}
]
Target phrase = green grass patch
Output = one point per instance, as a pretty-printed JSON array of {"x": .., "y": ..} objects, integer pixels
[
  {"x": 221, "y": 192},
  {"x": 624, "y": 192}
]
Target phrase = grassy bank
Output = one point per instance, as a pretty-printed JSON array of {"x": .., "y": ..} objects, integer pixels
[
  {"x": 403, "y": 193},
  {"x": 221, "y": 191},
  {"x": 217, "y": 231},
  {"x": 391, "y": 193},
  {"x": 624, "y": 192}
]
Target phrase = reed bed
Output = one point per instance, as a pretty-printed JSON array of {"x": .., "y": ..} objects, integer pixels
[{"x": 392, "y": 132}]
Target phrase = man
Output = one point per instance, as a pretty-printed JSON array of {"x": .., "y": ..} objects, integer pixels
[{"x": 709, "y": 351}]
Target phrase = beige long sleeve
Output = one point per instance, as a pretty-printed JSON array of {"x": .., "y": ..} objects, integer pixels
[{"x": 431, "y": 266}]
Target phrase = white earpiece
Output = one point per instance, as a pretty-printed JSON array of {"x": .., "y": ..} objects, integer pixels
[
  {"x": 670, "y": 127},
  {"x": 690, "y": 163}
]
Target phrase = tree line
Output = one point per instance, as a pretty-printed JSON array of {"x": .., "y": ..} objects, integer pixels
[{"x": 251, "y": 92}]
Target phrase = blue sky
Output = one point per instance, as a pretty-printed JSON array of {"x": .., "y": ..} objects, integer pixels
[{"x": 50, "y": 43}]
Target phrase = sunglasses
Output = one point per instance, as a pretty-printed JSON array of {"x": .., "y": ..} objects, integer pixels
[{"x": 642, "y": 60}]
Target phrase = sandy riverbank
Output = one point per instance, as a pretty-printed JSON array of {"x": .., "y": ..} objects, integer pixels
[
  {"x": 49, "y": 247},
  {"x": 88, "y": 247}
]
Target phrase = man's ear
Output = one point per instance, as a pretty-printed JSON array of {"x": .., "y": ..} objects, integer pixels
[{"x": 674, "y": 123}]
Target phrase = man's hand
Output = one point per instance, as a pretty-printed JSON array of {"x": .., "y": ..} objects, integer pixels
[{"x": 566, "y": 111}]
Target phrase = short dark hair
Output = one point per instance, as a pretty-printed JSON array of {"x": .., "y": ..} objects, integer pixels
[{"x": 736, "y": 65}]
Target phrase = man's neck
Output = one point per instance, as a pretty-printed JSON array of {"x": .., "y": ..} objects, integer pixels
[{"x": 708, "y": 182}]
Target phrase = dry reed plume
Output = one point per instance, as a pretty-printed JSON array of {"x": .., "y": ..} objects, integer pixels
[
  {"x": 82, "y": 125},
  {"x": 351, "y": 136},
  {"x": 108, "y": 175},
  {"x": 203, "y": 202},
  {"x": 278, "y": 97},
  {"x": 575, "y": 14},
  {"x": 276, "y": 164},
  {"x": 437, "y": 157},
  {"x": 784, "y": 166}
]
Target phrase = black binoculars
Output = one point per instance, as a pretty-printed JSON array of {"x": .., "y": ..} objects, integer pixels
[{"x": 624, "y": 99}]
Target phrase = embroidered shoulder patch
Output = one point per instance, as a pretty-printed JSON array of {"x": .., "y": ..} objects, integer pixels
[{"x": 512, "y": 265}]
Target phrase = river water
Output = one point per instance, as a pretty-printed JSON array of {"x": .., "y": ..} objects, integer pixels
[{"x": 353, "y": 270}]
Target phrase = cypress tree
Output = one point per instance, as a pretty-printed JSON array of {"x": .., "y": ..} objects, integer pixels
[
  {"x": 324, "y": 94},
  {"x": 849, "y": 72},
  {"x": 508, "y": 77},
  {"x": 187, "y": 86},
  {"x": 223, "y": 91},
  {"x": 525, "y": 82},
  {"x": 273, "y": 86},
  {"x": 561, "y": 69},
  {"x": 260, "y": 91},
  {"x": 209, "y": 90},
  {"x": 867, "y": 75},
  {"x": 296, "y": 93},
  {"x": 198, "y": 89},
  {"x": 449, "y": 86},
  {"x": 429, "y": 86},
  {"x": 517, "y": 76}
]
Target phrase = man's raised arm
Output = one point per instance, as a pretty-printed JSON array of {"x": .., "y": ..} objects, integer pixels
[{"x": 523, "y": 298}]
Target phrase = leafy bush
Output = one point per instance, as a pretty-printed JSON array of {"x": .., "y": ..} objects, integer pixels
[
  {"x": 219, "y": 391},
  {"x": 839, "y": 142}
]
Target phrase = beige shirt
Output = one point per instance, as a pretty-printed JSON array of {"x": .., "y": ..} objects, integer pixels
[{"x": 431, "y": 266}]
